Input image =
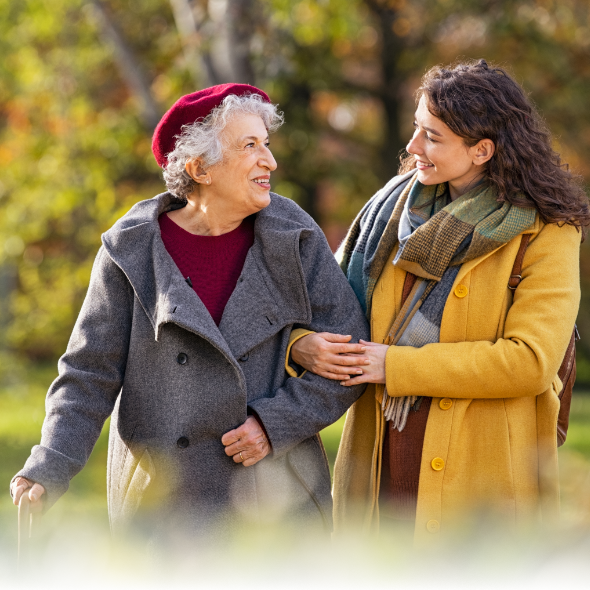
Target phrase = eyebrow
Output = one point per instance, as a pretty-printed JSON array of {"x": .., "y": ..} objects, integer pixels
[
  {"x": 433, "y": 131},
  {"x": 254, "y": 138}
]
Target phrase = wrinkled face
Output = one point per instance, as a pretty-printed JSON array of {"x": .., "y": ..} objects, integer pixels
[
  {"x": 242, "y": 179},
  {"x": 441, "y": 155}
]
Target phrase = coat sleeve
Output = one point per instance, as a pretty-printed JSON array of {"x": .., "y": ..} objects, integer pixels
[
  {"x": 304, "y": 406},
  {"x": 90, "y": 376},
  {"x": 525, "y": 361}
]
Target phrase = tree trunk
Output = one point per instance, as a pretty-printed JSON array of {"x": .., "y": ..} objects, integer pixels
[
  {"x": 190, "y": 19},
  {"x": 129, "y": 67},
  {"x": 391, "y": 46},
  {"x": 241, "y": 23}
]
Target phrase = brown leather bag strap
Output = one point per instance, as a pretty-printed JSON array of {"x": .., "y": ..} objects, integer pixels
[
  {"x": 567, "y": 371},
  {"x": 516, "y": 276}
]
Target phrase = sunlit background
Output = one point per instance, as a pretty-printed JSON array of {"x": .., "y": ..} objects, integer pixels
[{"x": 83, "y": 83}]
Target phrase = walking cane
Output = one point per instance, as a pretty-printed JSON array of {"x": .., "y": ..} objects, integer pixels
[{"x": 26, "y": 519}]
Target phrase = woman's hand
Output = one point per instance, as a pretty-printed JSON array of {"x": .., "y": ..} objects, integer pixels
[
  {"x": 35, "y": 491},
  {"x": 374, "y": 372},
  {"x": 247, "y": 444},
  {"x": 329, "y": 355}
]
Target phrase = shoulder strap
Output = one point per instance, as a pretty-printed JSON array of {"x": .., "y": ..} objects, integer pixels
[
  {"x": 516, "y": 276},
  {"x": 567, "y": 371}
]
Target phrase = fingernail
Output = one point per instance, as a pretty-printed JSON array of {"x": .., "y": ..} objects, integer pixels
[
  {"x": 359, "y": 372},
  {"x": 33, "y": 497},
  {"x": 367, "y": 362},
  {"x": 342, "y": 382},
  {"x": 363, "y": 348}
]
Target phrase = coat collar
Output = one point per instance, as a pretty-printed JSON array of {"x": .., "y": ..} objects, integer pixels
[
  {"x": 266, "y": 298},
  {"x": 515, "y": 242}
]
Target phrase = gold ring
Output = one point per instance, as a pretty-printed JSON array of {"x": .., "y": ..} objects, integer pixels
[{"x": 242, "y": 458}]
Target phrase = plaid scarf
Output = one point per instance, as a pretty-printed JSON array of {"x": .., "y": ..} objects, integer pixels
[{"x": 435, "y": 236}]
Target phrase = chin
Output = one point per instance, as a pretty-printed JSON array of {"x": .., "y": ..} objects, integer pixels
[
  {"x": 262, "y": 201},
  {"x": 427, "y": 179}
]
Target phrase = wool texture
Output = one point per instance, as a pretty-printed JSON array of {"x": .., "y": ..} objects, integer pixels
[
  {"x": 189, "y": 109},
  {"x": 211, "y": 264},
  {"x": 146, "y": 352},
  {"x": 435, "y": 236}
]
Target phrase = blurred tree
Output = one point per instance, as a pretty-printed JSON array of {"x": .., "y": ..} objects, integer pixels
[{"x": 83, "y": 82}]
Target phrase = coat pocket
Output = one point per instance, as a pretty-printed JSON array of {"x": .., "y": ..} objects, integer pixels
[
  {"x": 309, "y": 463},
  {"x": 136, "y": 477}
]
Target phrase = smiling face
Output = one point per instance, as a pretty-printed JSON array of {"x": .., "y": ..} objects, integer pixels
[
  {"x": 442, "y": 156},
  {"x": 242, "y": 180}
]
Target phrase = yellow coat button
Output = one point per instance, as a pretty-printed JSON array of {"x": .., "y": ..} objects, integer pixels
[
  {"x": 433, "y": 526},
  {"x": 461, "y": 291},
  {"x": 437, "y": 464},
  {"x": 445, "y": 403}
]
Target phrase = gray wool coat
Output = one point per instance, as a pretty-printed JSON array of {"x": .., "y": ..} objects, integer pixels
[{"x": 146, "y": 351}]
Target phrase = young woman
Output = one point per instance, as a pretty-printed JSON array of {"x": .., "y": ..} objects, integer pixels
[{"x": 460, "y": 416}]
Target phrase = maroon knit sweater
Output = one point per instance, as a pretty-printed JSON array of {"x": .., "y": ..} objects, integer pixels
[{"x": 213, "y": 263}]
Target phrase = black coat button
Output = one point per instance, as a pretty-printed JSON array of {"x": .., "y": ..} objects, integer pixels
[
  {"x": 182, "y": 442},
  {"x": 245, "y": 357},
  {"x": 182, "y": 359}
]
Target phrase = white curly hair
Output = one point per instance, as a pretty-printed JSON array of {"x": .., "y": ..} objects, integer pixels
[{"x": 204, "y": 138}]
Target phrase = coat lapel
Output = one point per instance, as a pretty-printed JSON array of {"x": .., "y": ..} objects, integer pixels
[
  {"x": 135, "y": 245},
  {"x": 267, "y": 297}
]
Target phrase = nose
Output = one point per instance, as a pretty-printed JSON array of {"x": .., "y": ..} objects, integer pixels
[
  {"x": 267, "y": 160},
  {"x": 414, "y": 146}
]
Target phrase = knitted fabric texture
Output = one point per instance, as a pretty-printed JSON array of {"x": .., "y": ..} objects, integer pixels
[
  {"x": 435, "y": 237},
  {"x": 191, "y": 108},
  {"x": 210, "y": 264}
]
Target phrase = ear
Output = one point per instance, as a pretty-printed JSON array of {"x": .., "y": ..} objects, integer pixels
[
  {"x": 194, "y": 168},
  {"x": 482, "y": 151}
]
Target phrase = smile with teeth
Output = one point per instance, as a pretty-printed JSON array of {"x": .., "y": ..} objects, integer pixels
[
  {"x": 264, "y": 181},
  {"x": 420, "y": 164}
]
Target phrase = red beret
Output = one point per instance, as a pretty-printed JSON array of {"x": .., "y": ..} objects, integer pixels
[{"x": 190, "y": 108}]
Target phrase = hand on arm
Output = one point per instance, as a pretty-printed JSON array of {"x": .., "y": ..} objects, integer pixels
[
  {"x": 374, "y": 370},
  {"x": 330, "y": 355},
  {"x": 35, "y": 490},
  {"x": 247, "y": 444}
]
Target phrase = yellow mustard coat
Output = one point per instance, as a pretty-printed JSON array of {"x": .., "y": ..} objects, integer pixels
[{"x": 493, "y": 377}]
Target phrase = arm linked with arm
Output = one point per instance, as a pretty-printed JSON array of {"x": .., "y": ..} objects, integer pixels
[{"x": 304, "y": 406}]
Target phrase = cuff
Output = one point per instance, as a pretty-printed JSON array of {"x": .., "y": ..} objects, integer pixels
[
  {"x": 391, "y": 367},
  {"x": 52, "y": 470},
  {"x": 293, "y": 369}
]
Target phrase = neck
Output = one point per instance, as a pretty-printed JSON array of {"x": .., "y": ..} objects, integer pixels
[
  {"x": 459, "y": 187},
  {"x": 203, "y": 215}
]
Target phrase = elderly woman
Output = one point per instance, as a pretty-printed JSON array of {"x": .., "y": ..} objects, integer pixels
[{"x": 182, "y": 337}]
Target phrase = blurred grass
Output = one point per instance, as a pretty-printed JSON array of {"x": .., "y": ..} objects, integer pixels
[{"x": 22, "y": 395}]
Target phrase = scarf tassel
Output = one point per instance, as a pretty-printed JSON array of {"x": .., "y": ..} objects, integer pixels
[{"x": 397, "y": 409}]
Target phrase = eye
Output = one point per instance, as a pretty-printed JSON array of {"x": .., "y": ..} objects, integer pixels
[
  {"x": 251, "y": 144},
  {"x": 415, "y": 125},
  {"x": 267, "y": 144},
  {"x": 430, "y": 139}
]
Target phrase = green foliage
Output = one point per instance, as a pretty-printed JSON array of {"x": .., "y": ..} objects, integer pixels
[
  {"x": 74, "y": 158},
  {"x": 75, "y": 146}
]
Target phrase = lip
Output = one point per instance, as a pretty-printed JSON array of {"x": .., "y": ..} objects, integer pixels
[
  {"x": 423, "y": 165},
  {"x": 263, "y": 185}
]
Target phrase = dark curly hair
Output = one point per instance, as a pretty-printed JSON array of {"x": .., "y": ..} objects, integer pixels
[{"x": 478, "y": 102}]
